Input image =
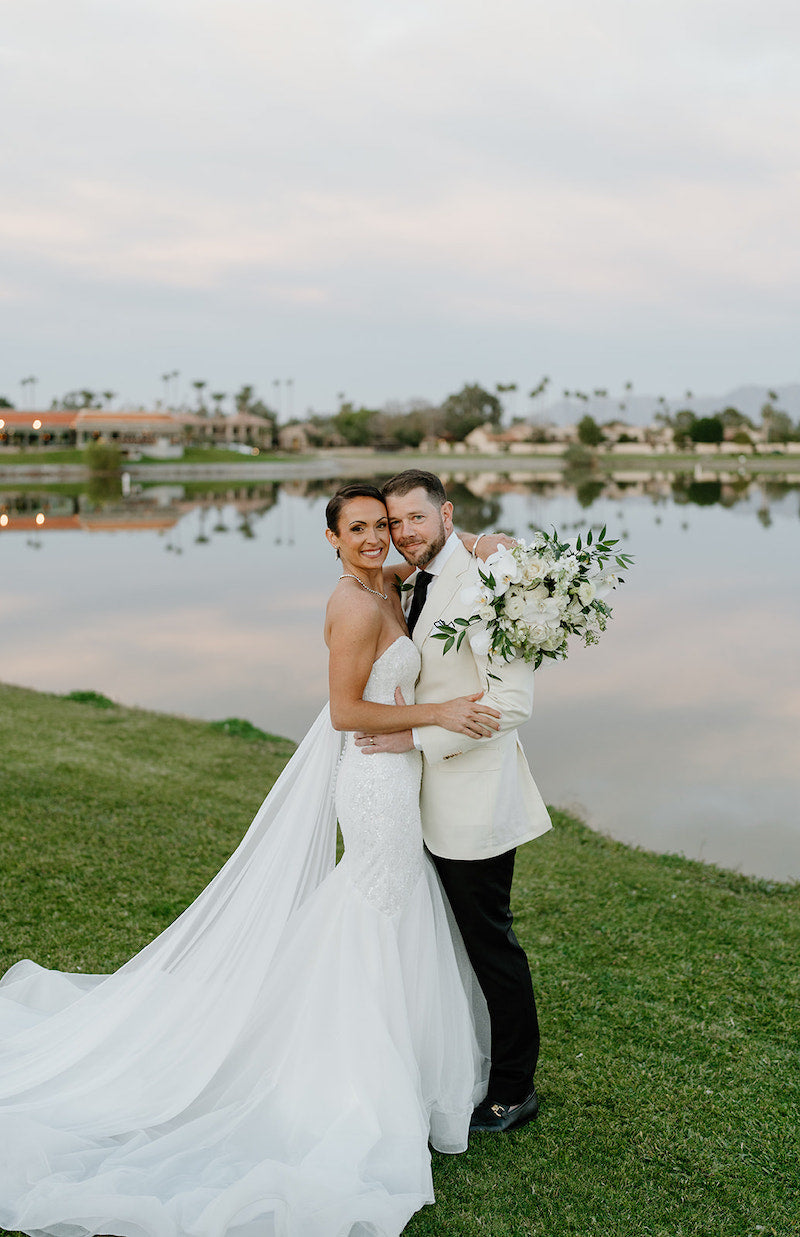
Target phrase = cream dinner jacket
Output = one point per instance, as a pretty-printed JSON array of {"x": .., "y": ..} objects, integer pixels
[{"x": 478, "y": 797}]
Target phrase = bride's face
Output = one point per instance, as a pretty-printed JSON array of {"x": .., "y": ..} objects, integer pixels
[{"x": 362, "y": 537}]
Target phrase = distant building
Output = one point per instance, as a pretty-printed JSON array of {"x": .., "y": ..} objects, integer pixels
[
  {"x": 162, "y": 434},
  {"x": 293, "y": 438}
]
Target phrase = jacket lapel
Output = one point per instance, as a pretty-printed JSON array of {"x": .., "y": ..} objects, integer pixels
[{"x": 441, "y": 592}]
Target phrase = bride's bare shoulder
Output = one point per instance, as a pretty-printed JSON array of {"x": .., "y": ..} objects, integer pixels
[{"x": 352, "y": 615}]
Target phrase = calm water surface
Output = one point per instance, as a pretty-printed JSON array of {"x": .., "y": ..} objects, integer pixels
[{"x": 678, "y": 732}]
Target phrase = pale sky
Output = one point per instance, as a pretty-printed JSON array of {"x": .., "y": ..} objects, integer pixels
[{"x": 390, "y": 199}]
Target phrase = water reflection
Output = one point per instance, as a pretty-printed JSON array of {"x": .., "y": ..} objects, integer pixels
[
  {"x": 105, "y": 504},
  {"x": 679, "y": 732}
]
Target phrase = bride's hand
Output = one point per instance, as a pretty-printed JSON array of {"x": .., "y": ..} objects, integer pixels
[{"x": 466, "y": 715}]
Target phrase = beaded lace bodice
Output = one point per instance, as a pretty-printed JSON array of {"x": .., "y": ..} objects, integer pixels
[{"x": 377, "y": 796}]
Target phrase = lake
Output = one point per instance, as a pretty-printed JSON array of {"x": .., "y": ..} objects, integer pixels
[{"x": 680, "y": 731}]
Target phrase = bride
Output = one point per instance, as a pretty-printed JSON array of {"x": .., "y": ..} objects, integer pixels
[{"x": 277, "y": 1061}]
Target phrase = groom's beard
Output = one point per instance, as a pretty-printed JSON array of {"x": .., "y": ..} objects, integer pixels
[{"x": 419, "y": 553}]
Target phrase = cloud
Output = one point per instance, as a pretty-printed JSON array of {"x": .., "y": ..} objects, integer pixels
[{"x": 618, "y": 172}]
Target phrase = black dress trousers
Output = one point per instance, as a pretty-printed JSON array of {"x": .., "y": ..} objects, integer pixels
[{"x": 479, "y": 891}]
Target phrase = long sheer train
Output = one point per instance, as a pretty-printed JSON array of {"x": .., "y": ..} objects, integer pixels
[{"x": 275, "y": 1062}]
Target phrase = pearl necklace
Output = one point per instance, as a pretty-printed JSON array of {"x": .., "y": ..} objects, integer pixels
[{"x": 348, "y": 575}]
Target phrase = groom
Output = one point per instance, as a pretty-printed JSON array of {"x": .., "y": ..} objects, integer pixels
[{"x": 478, "y": 799}]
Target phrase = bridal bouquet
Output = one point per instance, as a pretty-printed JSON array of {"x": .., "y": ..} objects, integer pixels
[{"x": 533, "y": 597}]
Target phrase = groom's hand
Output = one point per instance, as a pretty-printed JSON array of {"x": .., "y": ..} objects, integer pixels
[
  {"x": 490, "y": 543},
  {"x": 400, "y": 741}
]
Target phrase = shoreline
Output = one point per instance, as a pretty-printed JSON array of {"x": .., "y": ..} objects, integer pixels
[
  {"x": 246, "y": 731},
  {"x": 349, "y": 464}
]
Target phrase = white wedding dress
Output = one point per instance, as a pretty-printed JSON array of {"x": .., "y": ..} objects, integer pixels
[{"x": 276, "y": 1062}]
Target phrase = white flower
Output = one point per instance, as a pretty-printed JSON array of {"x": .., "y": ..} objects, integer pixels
[
  {"x": 540, "y": 606},
  {"x": 476, "y": 595},
  {"x": 586, "y": 592},
  {"x": 515, "y": 606},
  {"x": 555, "y": 640},
  {"x": 504, "y": 568},
  {"x": 606, "y": 584},
  {"x": 486, "y": 614},
  {"x": 480, "y": 642},
  {"x": 534, "y": 568}
]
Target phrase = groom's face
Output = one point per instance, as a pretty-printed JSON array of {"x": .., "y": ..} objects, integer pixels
[{"x": 418, "y": 525}]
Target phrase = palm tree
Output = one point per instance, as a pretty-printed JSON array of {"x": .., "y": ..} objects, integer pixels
[
  {"x": 108, "y": 396},
  {"x": 87, "y": 397},
  {"x": 199, "y": 385},
  {"x": 289, "y": 398},
  {"x": 218, "y": 397},
  {"x": 276, "y": 382},
  {"x": 29, "y": 382},
  {"x": 503, "y": 387},
  {"x": 242, "y": 398},
  {"x": 538, "y": 391}
]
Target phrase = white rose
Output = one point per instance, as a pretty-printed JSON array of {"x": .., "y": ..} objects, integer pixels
[
  {"x": 534, "y": 569},
  {"x": 515, "y": 606},
  {"x": 586, "y": 592},
  {"x": 539, "y": 632},
  {"x": 480, "y": 642},
  {"x": 486, "y": 614}
]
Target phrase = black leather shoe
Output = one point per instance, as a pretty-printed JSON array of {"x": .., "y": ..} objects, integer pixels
[{"x": 500, "y": 1118}]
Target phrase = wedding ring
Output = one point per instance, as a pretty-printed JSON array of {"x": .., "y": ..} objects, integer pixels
[{"x": 372, "y": 740}]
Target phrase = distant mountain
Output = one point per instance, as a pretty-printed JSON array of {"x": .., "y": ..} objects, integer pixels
[{"x": 640, "y": 409}]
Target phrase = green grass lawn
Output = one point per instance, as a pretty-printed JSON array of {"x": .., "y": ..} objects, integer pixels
[
  {"x": 668, "y": 990},
  {"x": 68, "y": 455},
  {"x": 214, "y": 455},
  {"x": 191, "y": 455}
]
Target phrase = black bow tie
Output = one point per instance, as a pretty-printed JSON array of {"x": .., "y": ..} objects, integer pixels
[{"x": 418, "y": 600}]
